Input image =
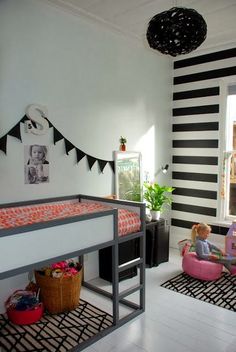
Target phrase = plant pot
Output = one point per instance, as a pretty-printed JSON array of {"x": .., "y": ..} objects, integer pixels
[
  {"x": 123, "y": 147},
  {"x": 155, "y": 214}
]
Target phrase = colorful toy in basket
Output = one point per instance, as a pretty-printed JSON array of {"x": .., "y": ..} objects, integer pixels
[
  {"x": 23, "y": 307},
  {"x": 62, "y": 269},
  {"x": 60, "y": 286}
]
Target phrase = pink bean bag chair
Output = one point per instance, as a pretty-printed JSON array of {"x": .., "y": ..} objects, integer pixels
[
  {"x": 233, "y": 270},
  {"x": 201, "y": 269}
]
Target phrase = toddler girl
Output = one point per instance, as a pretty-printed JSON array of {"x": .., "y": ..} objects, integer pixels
[{"x": 208, "y": 251}]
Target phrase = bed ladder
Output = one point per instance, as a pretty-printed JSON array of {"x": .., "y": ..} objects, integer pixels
[{"x": 120, "y": 297}]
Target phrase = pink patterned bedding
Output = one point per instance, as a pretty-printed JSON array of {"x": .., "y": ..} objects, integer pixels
[{"x": 128, "y": 222}]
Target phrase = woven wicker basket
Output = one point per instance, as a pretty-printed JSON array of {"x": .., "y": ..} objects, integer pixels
[{"x": 59, "y": 294}]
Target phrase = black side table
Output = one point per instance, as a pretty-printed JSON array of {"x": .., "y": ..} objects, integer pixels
[
  {"x": 127, "y": 251},
  {"x": 157, "y": 242}
]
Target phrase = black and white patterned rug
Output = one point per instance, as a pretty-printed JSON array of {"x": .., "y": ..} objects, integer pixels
[
  {"x": 221, "y": 292},
  {"x": 54, "y": 333}
]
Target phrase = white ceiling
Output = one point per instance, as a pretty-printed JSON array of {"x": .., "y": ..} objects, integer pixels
[{"x": 131, "y": 17}]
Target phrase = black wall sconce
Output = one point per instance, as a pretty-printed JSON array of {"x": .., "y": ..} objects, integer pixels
[{"x": 165, "y": 168}]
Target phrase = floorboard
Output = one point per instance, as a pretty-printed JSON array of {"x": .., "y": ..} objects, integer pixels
[{"x": 172, "y": 322}]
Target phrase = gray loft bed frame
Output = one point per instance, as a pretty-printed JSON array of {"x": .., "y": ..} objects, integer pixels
[{"x": 94, "y": 231}]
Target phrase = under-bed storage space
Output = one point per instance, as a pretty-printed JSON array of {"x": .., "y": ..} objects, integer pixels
[{"x": 127, "y": 252}]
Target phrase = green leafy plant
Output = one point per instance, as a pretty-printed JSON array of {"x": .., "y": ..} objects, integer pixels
[
  {"x": 157, "y": 196},
  {"x": 123, "y": 140}
]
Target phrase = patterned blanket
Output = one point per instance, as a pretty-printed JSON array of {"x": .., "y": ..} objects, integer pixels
[{"x": 128, "y": 222}]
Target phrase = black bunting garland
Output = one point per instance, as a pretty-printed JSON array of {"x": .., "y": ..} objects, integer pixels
[
  {"x": 24, "y": 118},
  {"x": 79, "y": 154},
  {"x": 91, "y": 161},
  {"x": 69, "y": 146},
  {"x": 15, "y": 132},
  {"x": 102, "y": 164},
  {"x": 57, "y": 136},
  {"x": 3, "y": 144},
  {"x": 50, "y": 124},
  {"x": 112, "y": 164}
]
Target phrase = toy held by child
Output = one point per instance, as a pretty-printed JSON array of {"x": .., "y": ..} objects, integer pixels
[{"x": 208, "y": 251}]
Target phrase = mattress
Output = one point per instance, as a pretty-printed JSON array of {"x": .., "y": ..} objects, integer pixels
[{"x": 12, "y": 217}]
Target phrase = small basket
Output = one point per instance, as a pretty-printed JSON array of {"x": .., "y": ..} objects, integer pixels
[
  {"x": 25, "y": 317},
  {"x": 59, "y": 294}
]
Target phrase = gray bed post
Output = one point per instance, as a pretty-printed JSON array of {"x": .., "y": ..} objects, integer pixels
[{"x": 115, "y": 271}]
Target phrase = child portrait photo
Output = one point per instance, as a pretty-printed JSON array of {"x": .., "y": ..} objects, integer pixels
[{"x": 36, "y": 160}]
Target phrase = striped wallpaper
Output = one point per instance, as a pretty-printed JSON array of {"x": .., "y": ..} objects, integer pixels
[{"x": 196, "y": 132}]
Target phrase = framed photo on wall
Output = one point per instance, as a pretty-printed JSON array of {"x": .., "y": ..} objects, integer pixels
[
  {"x": 128, "y": 179},
  {"x": 36, "y": 164}
]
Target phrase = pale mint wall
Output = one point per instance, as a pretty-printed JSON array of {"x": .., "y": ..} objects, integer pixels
[{"x": 96, "y": 84}]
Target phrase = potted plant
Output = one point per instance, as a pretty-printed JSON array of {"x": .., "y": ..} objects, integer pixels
[
  {"x": 157, "y": 198},
  {"x": 123, "y": 142}
]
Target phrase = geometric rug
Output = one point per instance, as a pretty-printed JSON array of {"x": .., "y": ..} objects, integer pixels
[
  {"x": 220, "y": 292},
  {"x": 54, "y": 333}
]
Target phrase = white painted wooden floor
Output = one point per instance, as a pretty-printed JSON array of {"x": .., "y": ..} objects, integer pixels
[{"x": 172, "y": 322}]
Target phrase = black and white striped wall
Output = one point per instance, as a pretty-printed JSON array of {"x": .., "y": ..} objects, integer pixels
[{"x": 196, "y": 153}]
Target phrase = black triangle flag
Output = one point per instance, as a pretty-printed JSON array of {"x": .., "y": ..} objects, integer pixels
[
  {"x": 79, "y": 154},
  {"x": 69, "y": 146},
  {"x": 102, "y": 164},
  {"x": 24, "y": 118},
  {"x": 15, "y": 131},
  {"x": 91, "y": 161},
  {"x": 50, "y": 124},
  {"x": 3, "y": 144},
  {"x": 112, "y": 165},
  {"x": 57, "y": 136}
]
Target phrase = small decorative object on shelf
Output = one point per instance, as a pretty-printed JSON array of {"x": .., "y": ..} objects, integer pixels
[
  {"x": 148, "y": 217},
  {"x": 60, "y": 286},
  {"x": 123, "y": 142},
  {"x": 157, "y": 198}
]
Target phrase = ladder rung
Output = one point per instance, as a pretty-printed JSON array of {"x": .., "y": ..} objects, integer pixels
[
  {"x": 130, "y": 290},
  {"x": 130, "y": 264}
]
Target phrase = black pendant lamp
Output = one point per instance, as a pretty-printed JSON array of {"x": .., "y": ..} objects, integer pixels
[{"x": 176, "y": 31}]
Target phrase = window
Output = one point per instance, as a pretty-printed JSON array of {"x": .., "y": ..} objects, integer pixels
[{"x": 230, "y": 154}]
